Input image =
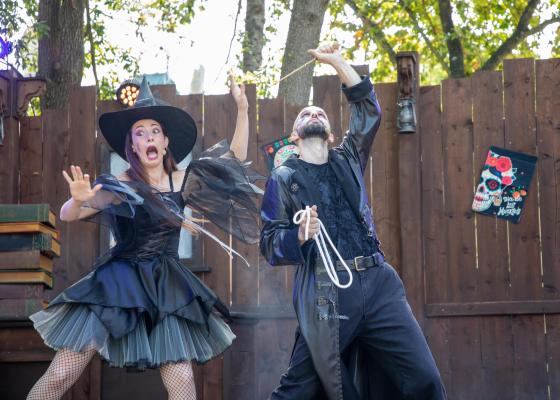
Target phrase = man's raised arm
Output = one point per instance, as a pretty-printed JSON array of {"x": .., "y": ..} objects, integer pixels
[{"x": 365, "y": 113}]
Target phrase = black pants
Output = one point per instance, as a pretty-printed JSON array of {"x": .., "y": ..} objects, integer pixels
[{"x": 380, "y": 318}]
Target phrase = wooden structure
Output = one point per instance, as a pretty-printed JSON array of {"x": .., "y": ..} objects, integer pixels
[{"x": 485, "y": 291}]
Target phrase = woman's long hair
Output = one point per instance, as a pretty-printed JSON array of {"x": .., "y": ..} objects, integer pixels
[{"x": 137, "y": 173}]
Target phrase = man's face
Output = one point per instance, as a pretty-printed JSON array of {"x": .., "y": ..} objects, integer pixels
[{"x": 311, "y": 122}]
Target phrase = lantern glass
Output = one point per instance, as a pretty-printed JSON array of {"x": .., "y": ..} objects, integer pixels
[
  {"x": 406, "y": 116},
  {"x": 128, "y": 92}
]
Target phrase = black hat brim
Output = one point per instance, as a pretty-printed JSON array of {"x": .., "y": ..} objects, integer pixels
[{"x": 179, "y": 127}]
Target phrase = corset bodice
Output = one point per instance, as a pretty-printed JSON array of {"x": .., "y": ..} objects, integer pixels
[{"x": 146, "y": 237}]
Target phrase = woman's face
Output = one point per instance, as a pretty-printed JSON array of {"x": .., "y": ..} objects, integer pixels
[{"x": 148, "y": 142}]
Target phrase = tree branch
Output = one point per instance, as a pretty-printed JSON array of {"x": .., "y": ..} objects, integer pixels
[
  {"x": 520, "y": 33},
  {"x": 454, "y": 45},
  {"x": 234, "y": 30},
  {"x": 91, "y": 47},
  {"x": 541, "y": 26},
  {"x": 378, "y": 34},
  {"x": 429, "y": 43}
]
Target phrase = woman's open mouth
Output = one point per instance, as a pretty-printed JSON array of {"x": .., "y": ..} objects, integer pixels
[{"x": 152, "y": 153}]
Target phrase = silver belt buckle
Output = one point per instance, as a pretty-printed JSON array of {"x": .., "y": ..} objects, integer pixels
[{"x": 356, "y": 263}]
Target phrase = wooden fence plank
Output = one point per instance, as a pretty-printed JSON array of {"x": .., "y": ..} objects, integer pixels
[
  {"x": 239, "y": 375},
  {"x": 458, "y": 188},
  {"x": 82, "y": 242},
  {"x": 526, "y": 281},
  {"x": 519, "y": 96},
  {"x": 9, "y": 162},
  {"x": 434, "y": 227},
  {"x": 31, "y": 160},
  {"x": 530, "y": 380},
  {"x": 245, "y": 280},
  {"x": 548, "y": 139},
  {"x": 434, "y": 222},
  {"x": 552, "y": 343},
  {"x": 410, "y": 190},
  {"x": 458, "y": 175},
  {"x": 193, "y": 104},
  {"x": 548, "y": 125},
  {"x": 496, "y": 358},
  {"x": 383, "y": 170},
  {"x": 492, "y": 268},
  {"x": 82, "y": 152},
  {"x": 272, "y": 280},
  {"x": 164, "y": 92},
  {"x": 56, "y": 148},
  {"x": 219, "y": 123},
  {"x": 273, "y": 338}
]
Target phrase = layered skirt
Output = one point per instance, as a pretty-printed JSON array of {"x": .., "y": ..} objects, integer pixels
[{"x": 137, "y": 313}]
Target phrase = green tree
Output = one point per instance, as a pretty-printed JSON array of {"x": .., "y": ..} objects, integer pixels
[
  {"x": 59, "y": 39},
  {"x": 454, "y": 39}
]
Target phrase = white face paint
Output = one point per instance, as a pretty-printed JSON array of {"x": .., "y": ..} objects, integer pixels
[
  {"x": 489, "y": 191},
  {"x": 311, "y": 115}
]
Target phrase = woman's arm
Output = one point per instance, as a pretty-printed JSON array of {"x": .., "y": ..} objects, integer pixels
[{"x": 240, "y": 139}]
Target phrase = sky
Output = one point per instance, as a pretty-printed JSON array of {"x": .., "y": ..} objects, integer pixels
[{"x": 204, "y": 42}]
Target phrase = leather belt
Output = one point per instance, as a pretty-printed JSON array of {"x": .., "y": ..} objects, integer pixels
[{"x": 359, "y": 263}]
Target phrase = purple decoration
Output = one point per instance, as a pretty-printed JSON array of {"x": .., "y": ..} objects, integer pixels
[{"x": 5, "y": 48}]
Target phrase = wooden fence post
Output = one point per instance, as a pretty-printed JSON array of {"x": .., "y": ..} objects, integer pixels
[{"x": 410, "y": 188}]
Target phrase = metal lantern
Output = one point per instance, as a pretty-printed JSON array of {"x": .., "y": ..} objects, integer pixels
[
  {"x": 128, "y": 92},
  {"x": 407, "y": 78},
  {"x": 406, "y": 115}
]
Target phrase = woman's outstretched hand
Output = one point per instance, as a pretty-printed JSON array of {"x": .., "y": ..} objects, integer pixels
[
  {"x": 238, "y": 92},
  {"x": 80, "y": 185}
]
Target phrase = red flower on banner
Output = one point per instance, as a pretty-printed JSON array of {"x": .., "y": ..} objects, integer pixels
[
  {"x": 506, "y": 180},
  {"x": 503, "y": 164},
  {"x": 491, "y": 161}
]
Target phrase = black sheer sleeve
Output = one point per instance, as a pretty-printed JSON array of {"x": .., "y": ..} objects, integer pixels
[{"x": 221, "y": 188}]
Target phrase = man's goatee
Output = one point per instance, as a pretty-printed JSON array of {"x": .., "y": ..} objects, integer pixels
[{"x": 314, "y": 130}]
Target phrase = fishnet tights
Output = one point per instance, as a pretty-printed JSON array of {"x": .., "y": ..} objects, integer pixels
[
  {"x": 67, "y": 366},
  {"x": 64, "y": 371},
  {"x": 178, "y": 379}
]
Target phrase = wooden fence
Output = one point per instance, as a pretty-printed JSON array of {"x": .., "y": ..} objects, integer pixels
[{"x": 485, "y": 291}]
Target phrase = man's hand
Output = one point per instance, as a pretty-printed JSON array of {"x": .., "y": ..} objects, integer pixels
[
  {"x": 327, "y": 53},
  {"x": 314, "y": 226}
]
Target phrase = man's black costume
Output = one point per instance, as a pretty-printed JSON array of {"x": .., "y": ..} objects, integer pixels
[{"x": 345, "y": 336}]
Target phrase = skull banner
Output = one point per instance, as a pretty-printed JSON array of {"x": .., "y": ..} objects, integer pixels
[{"x": 504, "y": 183}]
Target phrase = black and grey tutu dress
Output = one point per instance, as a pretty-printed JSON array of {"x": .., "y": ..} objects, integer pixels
[{"x": 140, "y": 307}]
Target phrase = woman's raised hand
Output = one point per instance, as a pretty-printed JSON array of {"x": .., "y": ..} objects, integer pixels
[
  {"x": 238, "y": 92},
  {"x": 80, "y": 185}
]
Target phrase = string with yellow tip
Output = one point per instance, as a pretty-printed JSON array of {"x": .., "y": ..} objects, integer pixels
[{"x": 252, "y": 78}]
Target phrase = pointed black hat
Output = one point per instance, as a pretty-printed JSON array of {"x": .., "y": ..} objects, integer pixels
[{"x": 178, "y": 125}]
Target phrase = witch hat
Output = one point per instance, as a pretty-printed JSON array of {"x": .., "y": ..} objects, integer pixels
[{"x": 177, "y": 124}]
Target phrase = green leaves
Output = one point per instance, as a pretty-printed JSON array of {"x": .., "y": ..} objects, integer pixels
[{"x": 481, "y": 26}]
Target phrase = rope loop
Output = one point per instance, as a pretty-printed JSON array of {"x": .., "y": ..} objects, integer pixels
[{"x": 319, "y": 238}]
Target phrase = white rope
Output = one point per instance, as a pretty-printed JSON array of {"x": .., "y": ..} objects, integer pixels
[{"x": 323, "y": 250}]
